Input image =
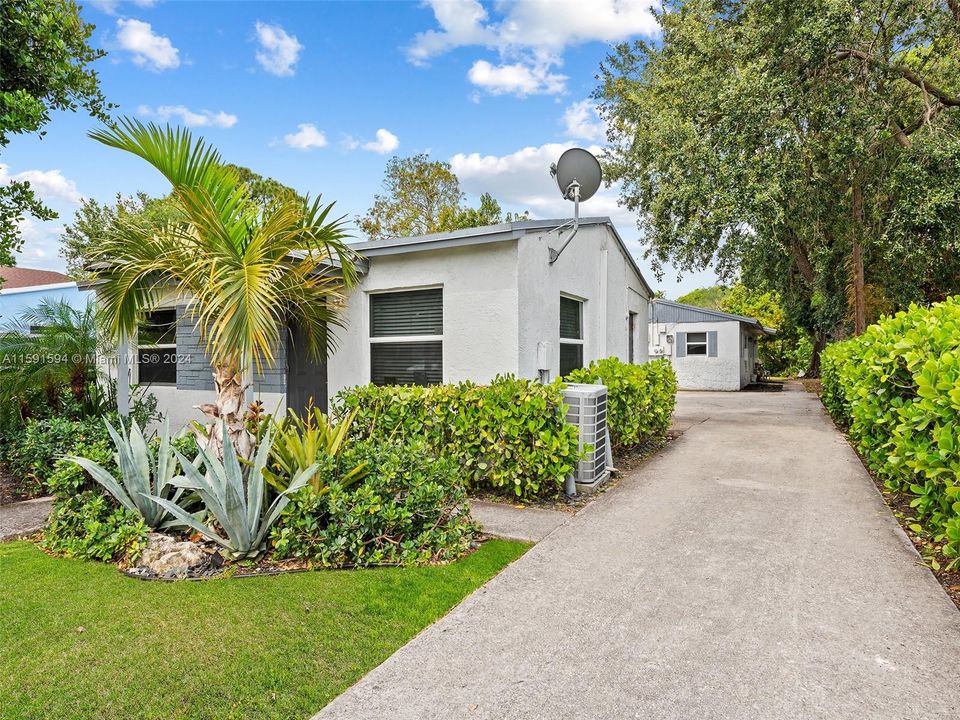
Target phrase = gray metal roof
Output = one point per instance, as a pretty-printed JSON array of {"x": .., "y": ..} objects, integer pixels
[
  {"x": 485, "y": 234},
  {"x": 666, "y": 311}
]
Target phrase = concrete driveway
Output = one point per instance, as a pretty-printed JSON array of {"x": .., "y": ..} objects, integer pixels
[{"x": 751, "y": 570}]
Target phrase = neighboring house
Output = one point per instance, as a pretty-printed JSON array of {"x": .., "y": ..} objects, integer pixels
[
  {"x": 709, "y": 349},
  {"x": 24, "y": 288},
  {"x": 443, "y": 308}
]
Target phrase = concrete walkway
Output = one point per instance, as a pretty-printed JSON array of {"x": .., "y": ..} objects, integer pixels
[
  {"x": 527, "y": 524},
  {"x": 750, "y": 570},
  {"x": 20, "y": 519}
]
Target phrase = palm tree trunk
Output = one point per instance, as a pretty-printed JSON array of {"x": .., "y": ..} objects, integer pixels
[{"x": 230, "y": 408}]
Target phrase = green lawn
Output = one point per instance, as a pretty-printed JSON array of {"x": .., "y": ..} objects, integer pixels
[{"x": 274, "y": 647}]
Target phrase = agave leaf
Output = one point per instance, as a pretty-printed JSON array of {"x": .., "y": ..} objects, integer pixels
[
  {"x": 256, "y": 480},
  {"x": 234, "y": 495},
  {"x": 281, "y": 501},
  {"x": 102, "y": 476},
  {"x": 188, "y": 520}
]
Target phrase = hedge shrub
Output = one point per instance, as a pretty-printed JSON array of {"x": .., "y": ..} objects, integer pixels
[
  {"x": 409, "y": 509},
  {"x": 897, "y": 390},
  {"x": 640, "y": 398},
  {"x": 509, "y": 435}
]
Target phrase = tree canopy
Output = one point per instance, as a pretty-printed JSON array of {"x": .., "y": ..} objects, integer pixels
[
  {"x": 422, "y": 196},
  {"x": 45, "y": 65},
  {"x": 811, "y": 148}
]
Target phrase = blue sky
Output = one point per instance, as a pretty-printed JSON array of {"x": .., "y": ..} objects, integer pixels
[{"x": 319, "y": 95}]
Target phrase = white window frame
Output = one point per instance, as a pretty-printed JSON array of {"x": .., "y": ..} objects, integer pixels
[
  {"x": 395, "y": 339},
  {"x": 689, "y": 344},
  {"x": 581, "y": 341}
]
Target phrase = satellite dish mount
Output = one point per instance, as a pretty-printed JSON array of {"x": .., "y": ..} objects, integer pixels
[{"x": 578, "y": 176}]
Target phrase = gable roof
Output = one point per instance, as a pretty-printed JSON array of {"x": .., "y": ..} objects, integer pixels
[
  {"x": 486, "y": 234},
  {"x": 18, "y": 277},
  {"x": 674, "y": 312}
]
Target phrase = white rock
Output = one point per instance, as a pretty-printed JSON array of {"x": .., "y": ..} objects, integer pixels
[{"x": 164, "y": 553}]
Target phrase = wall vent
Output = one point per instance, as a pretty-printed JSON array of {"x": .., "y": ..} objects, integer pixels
[{"x": 587, "y": 409}]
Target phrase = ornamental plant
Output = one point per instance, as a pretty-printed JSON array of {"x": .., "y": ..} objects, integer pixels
[
  {"x": 896, "y": 388},
  {"x": 511, "y": 435},
  {"x": 640, "y": 398}
]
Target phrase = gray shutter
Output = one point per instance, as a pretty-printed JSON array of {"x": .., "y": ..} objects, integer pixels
[
  {"x": 193, "y": 365},
  {"x": 680, "y": 343},
  {"x": 712, "y": 343}
]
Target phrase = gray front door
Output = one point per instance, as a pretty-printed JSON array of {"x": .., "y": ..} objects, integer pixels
[{"x": 306, "y": 377}]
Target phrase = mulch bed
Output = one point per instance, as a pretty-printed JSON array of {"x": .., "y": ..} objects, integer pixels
[{"x": 11, "y": 490}]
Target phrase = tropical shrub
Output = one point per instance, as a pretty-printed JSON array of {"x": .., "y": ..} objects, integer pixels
[
  {"x": 640, "y": 398},
  {"x": 233, "y": 496},
  {"x": 410, "y": 509},
  {"x": 896, "y": 388},
  {"x": 510, "y": 435},
  {"x": 89, "y": 525},
  {"x": 301, "y": 442}
]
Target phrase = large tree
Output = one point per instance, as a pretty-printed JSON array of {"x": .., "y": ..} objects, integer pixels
[
  {"x": 422, "y": 196},
  {"x": 45, "y": 65},
  {"x": 772, "y": 139},
  {"x": 248, "y": 269}
]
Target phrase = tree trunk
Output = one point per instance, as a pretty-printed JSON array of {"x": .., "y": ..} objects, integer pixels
[
  {"x": 859, "y": 297},
  {"x": 229, "y": 408},
  {"x": 819, "y": 343}
]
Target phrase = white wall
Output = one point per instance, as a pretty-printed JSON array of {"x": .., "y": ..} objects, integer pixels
[
  {"x": 480, "y": 316},
  {"x": 592, "y": 268},
  {"x": 701, "y": 372},
  {"x": 178, "y": 405}
]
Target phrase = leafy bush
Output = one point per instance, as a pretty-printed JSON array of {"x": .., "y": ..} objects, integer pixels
[
  {"x": 509, "y": 435},
  {"x": 89, "y": 525},
  {"x": 410, "y": 509},
  {"x": 897, "y": 390},
  {"x": 640, "y": 398}
]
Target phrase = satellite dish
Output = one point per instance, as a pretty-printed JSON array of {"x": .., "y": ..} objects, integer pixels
[{"x": 578, "y": 174}]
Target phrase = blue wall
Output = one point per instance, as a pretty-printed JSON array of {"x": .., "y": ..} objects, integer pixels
[{"x": 12, "y": 304}]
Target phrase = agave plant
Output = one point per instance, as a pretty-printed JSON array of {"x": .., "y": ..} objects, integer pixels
[
  {"x": 142, "y": 475},
  {"x": 301, "y": 442},
  {"x": 233, "y": 495}
]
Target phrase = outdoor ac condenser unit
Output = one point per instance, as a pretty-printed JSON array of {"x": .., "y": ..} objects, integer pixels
[{"x": 587, "y": 409}]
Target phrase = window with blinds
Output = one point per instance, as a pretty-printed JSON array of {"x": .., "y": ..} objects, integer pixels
[
  {"x": 406, "y": 331},
  {"x": 571, "y": 335}
]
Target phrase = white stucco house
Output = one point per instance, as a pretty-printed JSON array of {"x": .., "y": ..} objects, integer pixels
[
  {"x": 709, "y": 349},
  {"x": 442, "y": 308}
]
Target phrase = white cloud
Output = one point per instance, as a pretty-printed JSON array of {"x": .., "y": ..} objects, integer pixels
[
  {"x": 41, "y": 245},
  {"x": 148, "y": 49},
  {"x": 190, "y": 118},
  {"x": 307, "y": 137},
  {"x": 110, "y": 6},
  {"x": 48, "y": 184},
  {"x": 529, "y": 34},
  {"x": 582, "y": 120},
  {"x": 516, "y": 79},
  {"x": 386, "y": 142},
  {"x": 279, "y": 51}
]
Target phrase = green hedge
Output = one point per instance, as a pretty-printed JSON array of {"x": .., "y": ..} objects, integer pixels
[
  {"x": 640, "y": 398},
  {"x": 509, "y": 435},
  {"x": 897, "y": 390}
]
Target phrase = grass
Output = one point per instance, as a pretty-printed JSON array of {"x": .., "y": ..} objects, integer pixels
[{"x": 80, "y": 640}]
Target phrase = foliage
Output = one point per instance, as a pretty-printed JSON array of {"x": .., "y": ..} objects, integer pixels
[
  {"x": 233, "y": 495},
  {"x": 47, "y": 348},
  {"x": 302, "y": 442},
  {"x": 640, "y": 398},
  {"x": 270, "y": 648},
  {"x": 247, "y": 269},
  {"x": 708, "y": 297},
  {"x": 144, "y": 472},
  {"x": 897, "y": 390},
  {"x": 510, "y": 435},
  {"x": 410, "y": 509},
  {"x": 45, "y": 60},
  {"x": 89, "y": 526},
  {"x": 814, "y": 129},
  {"x": 422, "y": 196}
]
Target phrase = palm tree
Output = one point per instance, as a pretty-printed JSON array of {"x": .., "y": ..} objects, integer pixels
[
  {"x": 47, "y": 348},
  {"x": 247, "y": 270}
]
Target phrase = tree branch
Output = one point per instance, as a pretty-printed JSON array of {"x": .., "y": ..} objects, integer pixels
[{"x": 906, "y": 73}]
